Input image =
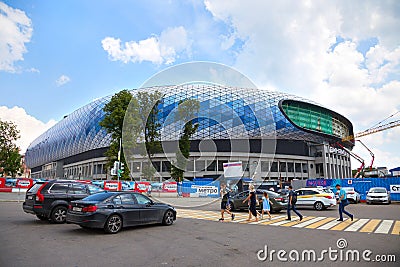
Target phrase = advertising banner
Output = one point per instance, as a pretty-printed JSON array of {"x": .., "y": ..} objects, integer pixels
[
  {"x": 24, "y": 183},
  {"x": 169, "y": 187},
  {"x": 2, "y": 182},
  {"x": 395, "y": 189},
  {"x": 233, "y": 169},
  {"x": 141, "y": 187},
  {"x": 205, "y": 191},
  {"x": 112, "y": 185}
]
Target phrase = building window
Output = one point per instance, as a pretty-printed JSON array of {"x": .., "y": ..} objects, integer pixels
[
  {"x": 264, "y": 166},
  {"x": 157, "y": 165},
  {"x": 298, "y": 167},
  {"x": 212, "y": 166},
  {"x": 166, "y": 166},
  {"x": 274, "y": 166},
  {"x": 304, "y": 167},
  {"x": 221, "y": 164},
  {"x": 282, "y": 166},
  {"x": 200, "y": 165},
  {"x": 245, "y": 166},
  {"x": 290, "y": 167}
]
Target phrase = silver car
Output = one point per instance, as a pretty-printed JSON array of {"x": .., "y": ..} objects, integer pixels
[
  {"x": 378, "y": 195},
  {"x": 352, "y": 195}
]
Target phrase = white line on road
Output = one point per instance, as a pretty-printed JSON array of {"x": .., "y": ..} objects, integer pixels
[
  {"x": 357, "y": 225},
  {"x": 329, "y": 225},
  {"x": 303, "y": 224},
  {"x": 384, "y": 227}
]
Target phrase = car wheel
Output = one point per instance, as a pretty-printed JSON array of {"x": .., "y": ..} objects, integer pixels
[
  {"x": 113, "y": 224},
  {"x": 59, "y": 214},
  {"x": 168, "y": 218},
  {"x": 42, "y": 217},
  {"x": 318, "y": 206}
]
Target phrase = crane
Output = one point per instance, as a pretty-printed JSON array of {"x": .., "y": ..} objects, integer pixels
[
  {"x": 357, "y": 157},
  {"x": 372, "y": 130},
  {"x": 370, "y": 152}
]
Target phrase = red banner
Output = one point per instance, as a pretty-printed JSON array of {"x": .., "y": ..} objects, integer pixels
[
  {"x": 112, "y": 185},
  {"x": 170, "y": 187},
  {"x": 2, "y": 182},
  {"x": 141, "y": 187}
]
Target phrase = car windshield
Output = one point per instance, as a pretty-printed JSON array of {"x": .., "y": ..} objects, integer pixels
[
  {"x": 377, "y": 190},
  {"x": 99, "y": 196}
]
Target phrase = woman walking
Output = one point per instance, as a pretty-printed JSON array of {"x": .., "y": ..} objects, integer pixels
[{"x": 253, "y": 203}]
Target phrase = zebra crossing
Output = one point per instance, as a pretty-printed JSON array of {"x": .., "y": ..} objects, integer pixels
[{"x": 376, "y": 226}]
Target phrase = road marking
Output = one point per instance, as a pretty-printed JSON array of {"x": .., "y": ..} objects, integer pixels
[
  {"x": 297, "y": 220},
  {"x": 396, "y": 228},
  {"x": 384, "y": 227},
  {"x": 317, "y": 224},
  {"x": 310, "y": 222},
  {"x": 300, "y": 225},
  {"x": 370, "y": 226},
  {"x": 284, "y": 222},
  {"x": 330, "y": 225},
  {"x": 357, "y": 225},
  {"x": 342, "y": 225},
  {"x": 276, "y": 219}
]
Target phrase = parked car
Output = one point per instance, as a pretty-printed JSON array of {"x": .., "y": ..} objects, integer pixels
[
  {"x": 352, "y": 195},
  {"x": 50, "y": 200},
  {"x": 114, "y": 210},
  {"x": 378, "y": 195},
  {"x": 318, "y": 198},
  {"x": 278, "y": 202}
]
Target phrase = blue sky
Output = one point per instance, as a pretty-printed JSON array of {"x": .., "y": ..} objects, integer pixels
[{"x": 56, "y": 56}]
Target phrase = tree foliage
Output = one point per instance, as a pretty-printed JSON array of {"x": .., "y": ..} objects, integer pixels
[
  {"x": 10, "y": 159},
  {"x": 186, "y": 111},
  {"x": 134, "y": 119},
  {"x": 113, "y": 121}
]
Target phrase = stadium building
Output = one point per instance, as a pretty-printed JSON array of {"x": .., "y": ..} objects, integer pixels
[{"x": 275, "y": 136}]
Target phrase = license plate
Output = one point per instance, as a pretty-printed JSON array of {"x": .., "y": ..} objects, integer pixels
[{"x": 76, "y": 209}]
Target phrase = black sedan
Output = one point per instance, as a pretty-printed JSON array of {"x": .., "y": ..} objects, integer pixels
[
  {"x": 114, "y": 210},
  {"x": 278, "y": 202}
]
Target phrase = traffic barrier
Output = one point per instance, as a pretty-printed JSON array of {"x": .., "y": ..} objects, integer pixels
[{"x": 362, "y": 185}]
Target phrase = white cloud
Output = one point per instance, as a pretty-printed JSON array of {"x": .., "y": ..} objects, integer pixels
[
  {"x": 30, "y": 127},
  {"x": 15, "y": 31},
  {"x": 163, "y": 49},
  {"x": 63, "y": 79},
  {"x": 313, "y": 49}
]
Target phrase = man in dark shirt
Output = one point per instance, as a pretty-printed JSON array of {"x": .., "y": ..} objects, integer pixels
[{"x": 292, "y": 205}]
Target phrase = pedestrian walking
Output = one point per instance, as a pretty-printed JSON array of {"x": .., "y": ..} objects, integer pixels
[
  {"x": 266, "y": 207},
  {"x": 343, "y": 202},
  {"x": 292, "y": 204},
  {"x": 253, "y": 203},
  {"x": 149, "y": 190},
  {"x": 225, "y": 205}
]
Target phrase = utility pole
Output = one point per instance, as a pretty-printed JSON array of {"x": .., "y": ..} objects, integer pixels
[{"x": 119, "y": 160}]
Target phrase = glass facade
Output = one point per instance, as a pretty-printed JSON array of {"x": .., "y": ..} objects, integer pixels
[
  {"x": 315, "y": 118},
  {"x": 225, "y": 113}
]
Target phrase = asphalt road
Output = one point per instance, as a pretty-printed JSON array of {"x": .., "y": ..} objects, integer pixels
[{"x": 26, "y": 241}]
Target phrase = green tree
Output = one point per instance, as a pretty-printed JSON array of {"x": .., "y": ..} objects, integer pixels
[
  {"x": 113, "y": 121},
  {"x": 186, "y": 111},
  {"x": 10, "y": 159}
]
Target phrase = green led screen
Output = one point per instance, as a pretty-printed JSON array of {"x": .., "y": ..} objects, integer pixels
[{"x": 308, "y": 116}]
